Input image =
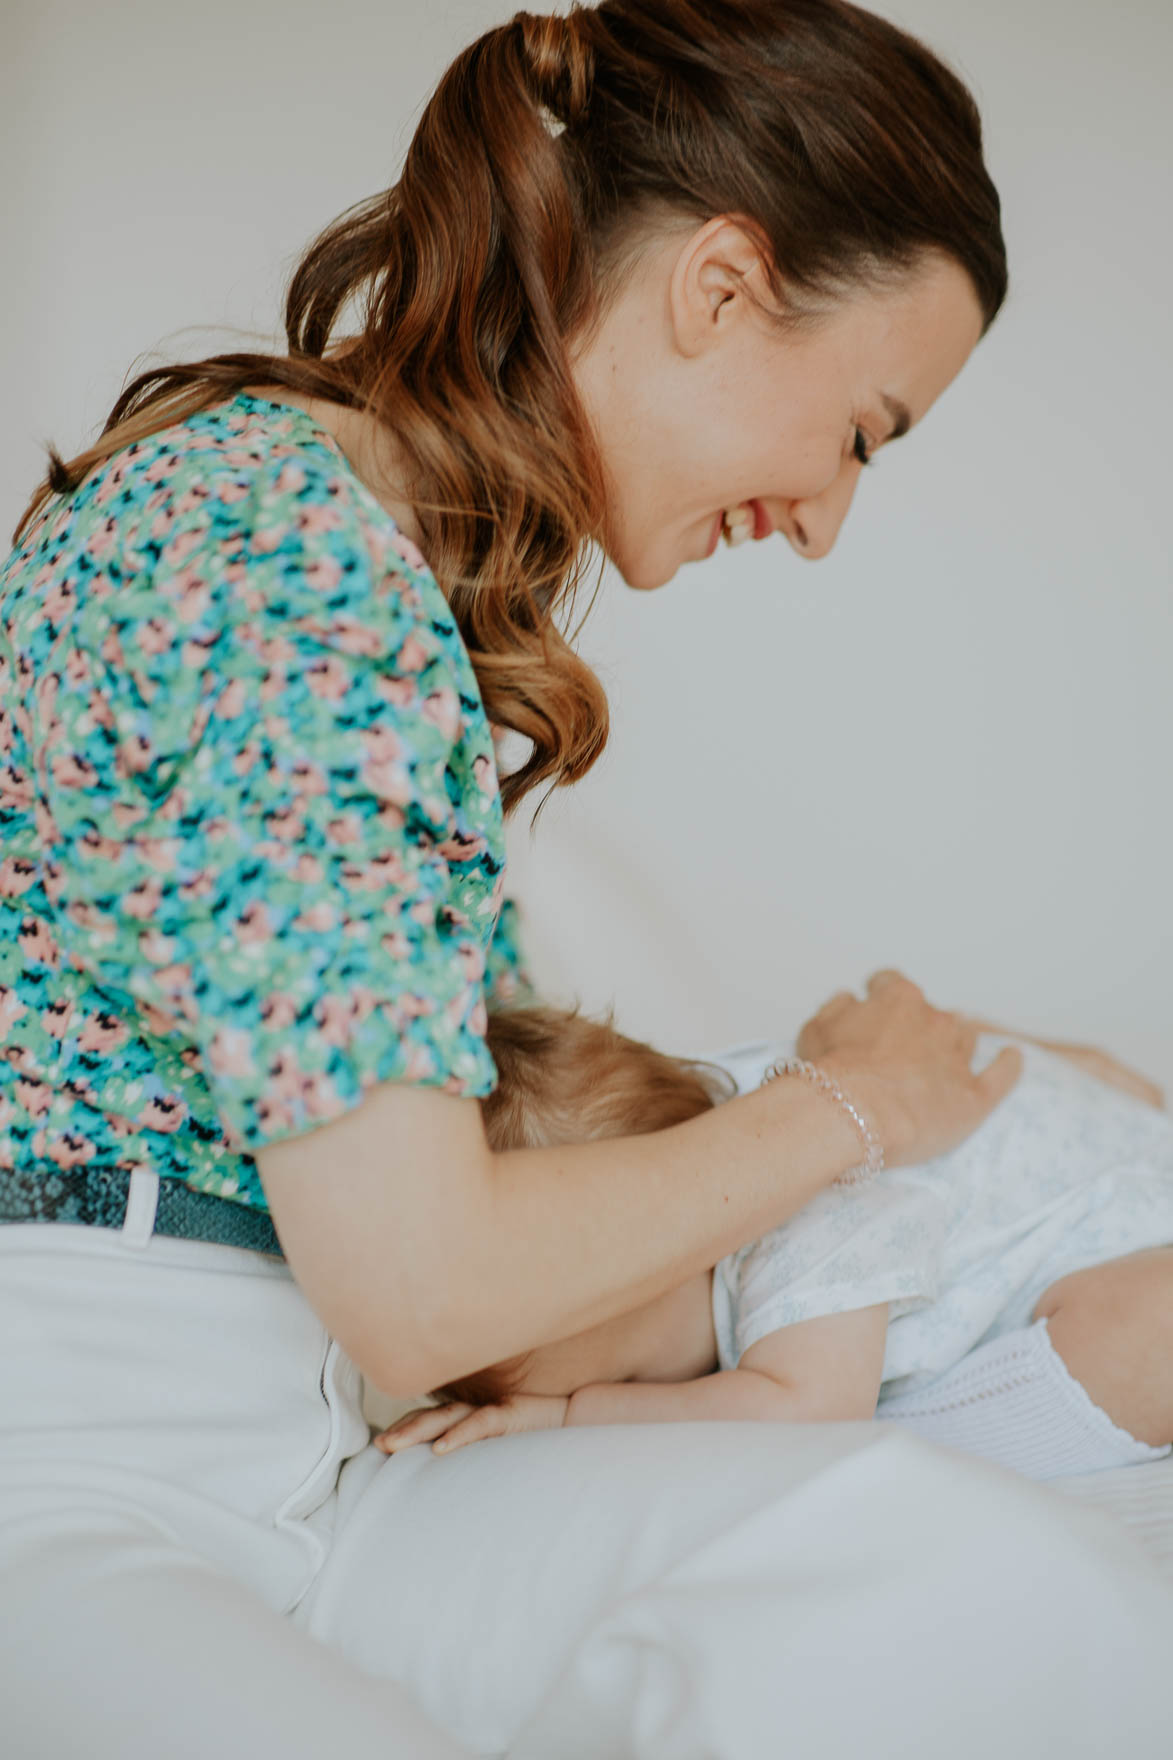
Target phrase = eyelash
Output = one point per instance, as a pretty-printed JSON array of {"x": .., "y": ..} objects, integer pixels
[{"x": 860, "y": 448}]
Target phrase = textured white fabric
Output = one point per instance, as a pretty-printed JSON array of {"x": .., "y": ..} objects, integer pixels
[
  {"x": 177, "y": 1467},
  {"x": 1015, "y": 1402},
  {"x": 1066, "y": 1172}
]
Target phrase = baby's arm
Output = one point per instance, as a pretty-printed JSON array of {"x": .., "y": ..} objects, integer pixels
[
  {"x": 822, "y": 1370},
  {"x": 817, "y": 1371}
]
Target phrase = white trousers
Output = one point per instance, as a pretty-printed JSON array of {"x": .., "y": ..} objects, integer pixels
[{"x": 199, "y": 1554}]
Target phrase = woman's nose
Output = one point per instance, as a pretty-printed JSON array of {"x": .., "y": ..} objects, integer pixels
[{"x": 818, "y": 518}]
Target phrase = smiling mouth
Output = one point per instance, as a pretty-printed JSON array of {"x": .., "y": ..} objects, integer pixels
[
  {"x": 738, "y": 523},
  {"x": 748, "y": 519}
]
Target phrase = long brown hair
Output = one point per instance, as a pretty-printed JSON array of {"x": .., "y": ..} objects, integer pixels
[
  {"x": 550, "y": 150},
  {"x": 565, "y": 1078}
]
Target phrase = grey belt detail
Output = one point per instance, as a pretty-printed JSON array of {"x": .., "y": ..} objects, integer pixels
[{"x": 114, "y": 1197}]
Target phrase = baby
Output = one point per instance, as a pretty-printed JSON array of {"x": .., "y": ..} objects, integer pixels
[{"x": 925, "y": 1296}]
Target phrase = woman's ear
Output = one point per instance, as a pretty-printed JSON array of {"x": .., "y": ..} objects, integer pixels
[{"x": 718, "y": 280}]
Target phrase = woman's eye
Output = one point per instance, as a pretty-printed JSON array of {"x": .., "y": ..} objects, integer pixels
[{"x": 860, "y": 449}]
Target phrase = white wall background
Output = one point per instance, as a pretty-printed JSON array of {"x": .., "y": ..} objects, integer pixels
[{"x": 948, "y": 746}]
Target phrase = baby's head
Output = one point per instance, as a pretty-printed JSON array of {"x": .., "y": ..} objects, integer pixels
[{"x": 562, "y": 1078}]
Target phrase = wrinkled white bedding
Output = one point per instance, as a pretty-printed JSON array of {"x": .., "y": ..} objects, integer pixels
[
  {"x": 747, "y": 1592},
  {"x": 718, "y": 1593}
]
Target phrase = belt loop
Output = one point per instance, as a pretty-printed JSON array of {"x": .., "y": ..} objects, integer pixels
[{"x": 141, "y": 1203}]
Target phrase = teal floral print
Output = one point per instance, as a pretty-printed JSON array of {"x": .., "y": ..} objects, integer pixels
[{"x": 252, "y": 843}]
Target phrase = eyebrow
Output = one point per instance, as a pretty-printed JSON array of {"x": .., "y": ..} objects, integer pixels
[{"x": 901, "y": 420}]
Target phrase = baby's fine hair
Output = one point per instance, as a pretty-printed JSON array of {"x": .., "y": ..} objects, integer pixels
[{"x": 564, "y": 1078}]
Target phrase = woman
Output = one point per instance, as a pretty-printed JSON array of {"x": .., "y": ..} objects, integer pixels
[{"x": 649, "y": 272}]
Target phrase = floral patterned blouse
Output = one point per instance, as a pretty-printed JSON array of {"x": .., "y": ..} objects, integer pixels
[{"x": 251, "y": 840}]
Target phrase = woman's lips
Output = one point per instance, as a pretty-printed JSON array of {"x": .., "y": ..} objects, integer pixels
[{"x": 762, "y": 526}]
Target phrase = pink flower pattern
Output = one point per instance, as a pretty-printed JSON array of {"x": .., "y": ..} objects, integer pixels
[{"x": 253, "y": 847}]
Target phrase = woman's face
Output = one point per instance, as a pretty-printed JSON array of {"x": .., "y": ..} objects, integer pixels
[{"x": 702, "y": 406}]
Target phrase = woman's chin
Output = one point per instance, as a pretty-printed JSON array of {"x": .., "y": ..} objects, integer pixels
[
  {"x": 646, "y": 570},
  {"x": 640, "y": 579}
]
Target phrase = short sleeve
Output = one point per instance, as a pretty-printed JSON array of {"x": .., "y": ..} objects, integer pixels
[
  {"x": 851, "y": 1247},
  {"x": 273, "y": 803}
]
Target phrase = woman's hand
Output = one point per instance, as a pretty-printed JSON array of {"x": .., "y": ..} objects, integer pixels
[
  {"x": 1100, "y": 1064},
  {"x": 454, "y": 1423},
  {"x": 907, "y": 1066}
]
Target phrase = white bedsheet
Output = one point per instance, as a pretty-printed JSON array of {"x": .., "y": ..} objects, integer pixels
[{"x": 753, "y": 1592}]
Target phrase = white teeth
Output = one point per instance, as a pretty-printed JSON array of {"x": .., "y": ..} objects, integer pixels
[{"x": 739, "y": 522}]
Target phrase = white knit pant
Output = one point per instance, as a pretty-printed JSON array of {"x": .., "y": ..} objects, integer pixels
[
  {"x": 1013, "y": 1401},
  {"x": 195, "y": 1561}
]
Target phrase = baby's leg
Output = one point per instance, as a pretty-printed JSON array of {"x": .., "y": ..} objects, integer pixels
[{"x": 1112, "y": 1325}]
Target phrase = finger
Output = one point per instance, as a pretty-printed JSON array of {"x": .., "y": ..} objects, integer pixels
[
  {"x": 446, "y": 1409},
  {"x": 882, "y": 980},
  {"x": 1143, "y": 1089},
  {"x": 1120, "y": 1075},
  {"x": 422, "y": 1426},
  {"x": 390, "y": 1443},
  {"x": 482, "y": 1421},
  {"x": 996, "y": 1081},
  {"x": 835, "y": 1004},
  {"x": 1130, "y": 1081},
  {"x": 810, "y": 1040}
]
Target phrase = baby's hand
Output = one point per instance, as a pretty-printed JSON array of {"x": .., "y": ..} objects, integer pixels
[{"x": 454, "y": 1423}]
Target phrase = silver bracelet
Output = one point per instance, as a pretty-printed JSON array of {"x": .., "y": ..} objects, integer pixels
[{"x": 873, "y": 1161}]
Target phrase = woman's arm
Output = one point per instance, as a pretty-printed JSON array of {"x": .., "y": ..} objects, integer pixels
[
  {"x": 428, "y": 1256},
  {"x": 820, "y": 1371}
]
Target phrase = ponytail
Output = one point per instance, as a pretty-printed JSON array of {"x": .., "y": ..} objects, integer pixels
[
  {"x": 469, "y": 277},
  {"x": 546, "y": 152}
]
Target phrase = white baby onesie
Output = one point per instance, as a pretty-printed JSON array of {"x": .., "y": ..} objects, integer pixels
[{"x": 1067, "y": 1172}]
